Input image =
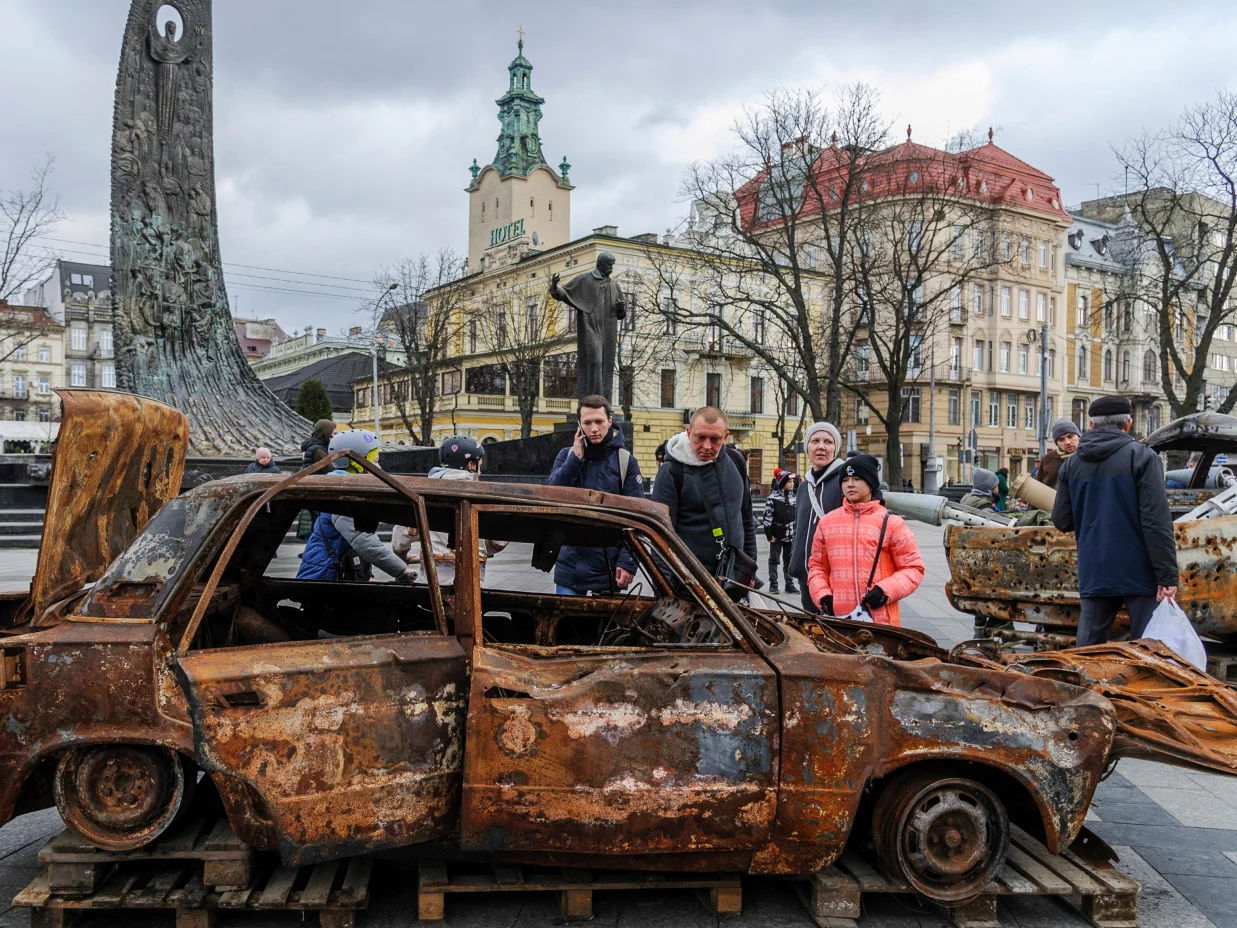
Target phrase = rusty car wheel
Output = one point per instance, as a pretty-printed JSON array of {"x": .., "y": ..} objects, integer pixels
[
  {"x": 120, "y": 796},
  {"x": 948, "y": 837}
]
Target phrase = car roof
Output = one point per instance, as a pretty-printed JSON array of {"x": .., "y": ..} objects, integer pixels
[
  {"x": 478, "y": 491},
  {"x": 1201, "y": 431}
]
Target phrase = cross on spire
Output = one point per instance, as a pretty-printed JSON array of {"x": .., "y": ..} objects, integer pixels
[{"x": 520, "y": 30}]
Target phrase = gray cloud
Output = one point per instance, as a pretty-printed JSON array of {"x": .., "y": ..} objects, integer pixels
[{"x": 344, "y": 130}]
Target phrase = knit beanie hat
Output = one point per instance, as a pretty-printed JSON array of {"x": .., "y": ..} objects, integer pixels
[
  {"x": 824, "y": 427},
  {"x": 983, "y": 480},
  {"x": 1063, "y": 427},
  {"x": 866, "y": 468}
]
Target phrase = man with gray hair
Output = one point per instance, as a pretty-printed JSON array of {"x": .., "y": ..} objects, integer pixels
[{"x": 1110, "y": 494}]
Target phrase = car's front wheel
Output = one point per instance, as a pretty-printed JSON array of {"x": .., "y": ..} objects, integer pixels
[
  {"x": 947, "y": 837},
  {"x": 121, "y": 796}
]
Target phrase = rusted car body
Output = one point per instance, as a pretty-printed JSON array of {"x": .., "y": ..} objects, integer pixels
[
  {"x": 665, "y": 727},
  {"x": 1031, "y": 575}
]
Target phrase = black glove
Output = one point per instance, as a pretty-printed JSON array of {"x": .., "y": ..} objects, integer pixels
[
  {"x": 875, "y": 598},
  {"x": 826, "y": 605}
]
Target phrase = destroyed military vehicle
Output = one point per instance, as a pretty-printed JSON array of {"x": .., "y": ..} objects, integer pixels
[
  {"x": 665, "y": 727},
  {"x": 1031, "y": 574}
]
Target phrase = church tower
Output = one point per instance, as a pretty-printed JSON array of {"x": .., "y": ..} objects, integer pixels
[{"x": 517, "y": 203}]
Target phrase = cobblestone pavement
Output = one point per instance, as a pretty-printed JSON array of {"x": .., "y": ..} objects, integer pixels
[{"x": 1176, "y": 831}]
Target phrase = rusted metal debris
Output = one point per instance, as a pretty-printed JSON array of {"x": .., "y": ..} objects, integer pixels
[{"x": 669, "y": 730}]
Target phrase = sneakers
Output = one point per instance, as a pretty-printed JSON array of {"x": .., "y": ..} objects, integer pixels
[
  {"x": 791, "y": 588},
  {"x": 773, "y": 588}
]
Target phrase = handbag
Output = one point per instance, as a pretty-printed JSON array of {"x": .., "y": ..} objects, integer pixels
[{"x": 735, "y": 570}]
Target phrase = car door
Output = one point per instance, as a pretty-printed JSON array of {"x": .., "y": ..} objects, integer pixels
[
  {"x": 348, "y": 744},
  {"x": 351, "y": 744},
  {"x": 618, "y": 750}
]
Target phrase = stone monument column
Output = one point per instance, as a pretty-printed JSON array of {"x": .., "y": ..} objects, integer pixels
[{"x": 174, "y": 336}]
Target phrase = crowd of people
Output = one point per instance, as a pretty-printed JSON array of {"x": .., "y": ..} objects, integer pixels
[{"x": 832, "y": 541}]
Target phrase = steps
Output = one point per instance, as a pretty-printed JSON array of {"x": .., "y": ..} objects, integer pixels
[{"x": 21, "y": 528}]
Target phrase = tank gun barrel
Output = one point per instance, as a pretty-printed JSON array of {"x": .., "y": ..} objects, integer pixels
[{"x": 936, "y": 510}]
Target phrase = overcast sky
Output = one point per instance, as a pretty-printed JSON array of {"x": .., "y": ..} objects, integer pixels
[{"x": 344, "y": 130}]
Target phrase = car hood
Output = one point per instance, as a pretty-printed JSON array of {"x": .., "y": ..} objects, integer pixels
[{"x": 119, "y": 458}]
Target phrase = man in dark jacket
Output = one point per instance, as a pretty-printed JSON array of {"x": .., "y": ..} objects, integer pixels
[
  {"x": 1111, "y": 495},
  {"x": 596, "y": 460},
  {"x": 695, "y": 458},
  {"x": 779, "y": 527},
  {"x": 819, "y": 492}
]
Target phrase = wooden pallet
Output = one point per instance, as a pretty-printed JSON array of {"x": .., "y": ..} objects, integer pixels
[
  {"x": 74, "y": 866},
  {"x": 1221, "y": 664},
  {"x": 721, "y": 894},
  {"x": 1107, "y": 898},
  {"x": 335, "y": 890}
]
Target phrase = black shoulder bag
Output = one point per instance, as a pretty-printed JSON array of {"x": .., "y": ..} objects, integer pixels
[{"x": 734, "y": 569}]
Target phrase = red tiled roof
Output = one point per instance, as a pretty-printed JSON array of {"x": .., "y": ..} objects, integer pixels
[{"x": 33, "y": 315}]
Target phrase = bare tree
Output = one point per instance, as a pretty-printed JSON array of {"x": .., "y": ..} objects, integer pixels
[
  {"x": 641, "y": 350},
  {"x": 919, "y": 238},
  {"x": 26, "y": 216},
  {"x": 768, "y": 234},
  {"x": 521, "y": 326},
  {"x": 1181, "y": 241},
  {"x": 420, "y": 312}
]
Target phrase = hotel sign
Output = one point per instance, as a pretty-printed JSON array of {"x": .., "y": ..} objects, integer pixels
[{"x": 507, "y": 233}]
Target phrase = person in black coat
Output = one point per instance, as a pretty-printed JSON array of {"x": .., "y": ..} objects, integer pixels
[
  {"x": 1110, "y": 494},
  {"x": 820, "y": 491},
  {"x": 314, "y": 448},
  {"x": 679, "y": 487},
  {"x": 596, "y": 460}
]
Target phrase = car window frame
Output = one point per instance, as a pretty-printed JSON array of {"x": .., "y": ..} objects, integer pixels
[{"x": 718, "y": 606}]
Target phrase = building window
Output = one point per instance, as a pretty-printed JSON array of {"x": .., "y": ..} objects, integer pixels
[
  {"x": 1153, "y": 419},
  {"x": 486, "y": 380},
  {"x": 1125, "y": 366},
  {"x": 77, "y": 337},
  {"x": 759, "y": 326},
  {"x": 955, "y": 304},
  {"x": 977, "y": 407},
  {"x": 955, "y": 359},
  {"x": 955, "y": 404},
  {"x": 452, "y": 381},
  {"x": 44, "y": 414},
  {"x": 1084, "y": 313},
  {"x": 1052, "y": 363},
  {"x": 792, "y": 404},
  {"x": 861, "y": 410},
  {"x": 1023, "y": 358},
  {"x": 1024, "y": 305},
  {"x": 667, "y": 388},
  {"x": 472, "y": 337},
  {"x": 109, "y": 377},
  {"x": 977, "y": 300},
  {"x": 19, "y": 387},
  {"x": 1150, "y": 367},
  {"x": 561, "y": 379},
  {"x": 1006, "y": 305},
  {"x": 1006, "y": 347},
  {"x": 862, "y": 352},
  {"x": 958, "y": 233},
  {"x": 45, "y": 385},
  {"x": 1041, "y": 308},
  {"x": 45, "y": 354},
  {"x": 105, "y": 341},
  {"x": 713, "y": 390},
  {"x": 758, "y": 396},
  {"x": 75, "y": 279},
  {"x": 915, "y": 362},
  {"x": 1007, "y": 249},
  {"x": 994, "y": 410},
  {"x": 1043, "y": 254},
  {"x": 1081, "y": 374},
  {"x": 1024, "y": 250},
  {"x": 532, "y": 321},
  {"x": 1011, "y": 410},
  {"x": 77, "y": 375},
  {"x": 1028, "y": 409},
  {"x": 1108, "y": 364},
  {"x": 19, "y": 415},
  {"x": 910, "y": 404},
  {"x": 977, "y": 360},
  {"x": 19, "y": 353}
]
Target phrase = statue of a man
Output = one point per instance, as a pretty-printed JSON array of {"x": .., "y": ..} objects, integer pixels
[{"x": 599, "y": 304}]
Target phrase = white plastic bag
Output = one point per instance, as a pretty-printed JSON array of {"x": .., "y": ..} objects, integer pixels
[
  {"x": 1171, "y": 625},
  {"x": 859, "y": 614}
]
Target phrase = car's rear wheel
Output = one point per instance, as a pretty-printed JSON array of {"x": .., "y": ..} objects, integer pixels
[
  {"x": 947, "y": 837},
  {"x": 121, "y": 796}
]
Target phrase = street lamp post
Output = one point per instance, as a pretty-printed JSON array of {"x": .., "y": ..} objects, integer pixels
[{"x": 374, "y": 351}]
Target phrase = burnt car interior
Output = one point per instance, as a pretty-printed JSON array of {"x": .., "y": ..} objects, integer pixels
[{"x": 259, "y": 600}]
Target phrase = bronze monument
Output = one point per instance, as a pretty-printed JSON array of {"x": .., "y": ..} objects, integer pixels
[
  {"x": 174, "y": 336},
  {"x": 599, "y": 304}
]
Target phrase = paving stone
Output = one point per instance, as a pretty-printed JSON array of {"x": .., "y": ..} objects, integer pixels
[
  {"x": 1189, "y": 861},
  {"x": 1148, "y": 773},
  {"x": 1213, "y": 896},
  {"x": 1160, "y": 904},
  {"x": 1130, "y": 813},
  {"x": 1197, "y": 808},
  {"x": 1169, "y": 836}
]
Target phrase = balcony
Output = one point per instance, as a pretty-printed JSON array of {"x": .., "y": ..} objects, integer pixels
[
  {"x": 740, "y": 421},
  {"x": 715, "y": 347}
]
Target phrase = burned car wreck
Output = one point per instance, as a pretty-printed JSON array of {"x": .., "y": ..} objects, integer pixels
[
  {"x": 662, "y": 727},
  {"x": 1030, "y": 574}
]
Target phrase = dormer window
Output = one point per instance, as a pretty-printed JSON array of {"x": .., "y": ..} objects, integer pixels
[{"x": 1030, "y": 194}]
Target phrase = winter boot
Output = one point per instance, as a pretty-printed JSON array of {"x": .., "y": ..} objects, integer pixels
[{"x": 791, "y": 588}]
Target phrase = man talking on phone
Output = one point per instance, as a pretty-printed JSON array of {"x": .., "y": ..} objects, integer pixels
[{"x": 596, "y": 460}]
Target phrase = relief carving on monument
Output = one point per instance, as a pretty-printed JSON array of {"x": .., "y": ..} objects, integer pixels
[{"x": 174, "y": 334}]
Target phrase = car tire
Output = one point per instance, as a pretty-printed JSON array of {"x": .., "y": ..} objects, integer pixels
[
  {"x": 122, "y": 796},
  {"x": 947, "y": 837}
]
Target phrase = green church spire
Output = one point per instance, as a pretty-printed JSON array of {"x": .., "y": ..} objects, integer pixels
[{"x": 519, "y": 112}]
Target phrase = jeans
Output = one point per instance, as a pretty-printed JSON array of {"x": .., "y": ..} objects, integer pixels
[
  {"x": 566, "y": 591},
  {"x": 1098, "y": 613},
  {"x": 779, "y": 550}
]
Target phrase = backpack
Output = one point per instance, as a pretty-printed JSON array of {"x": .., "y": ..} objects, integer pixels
[{"x": 783, "y": 515}]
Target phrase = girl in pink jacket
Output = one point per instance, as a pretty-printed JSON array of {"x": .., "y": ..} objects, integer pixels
[{"x": 850, "y": 565}]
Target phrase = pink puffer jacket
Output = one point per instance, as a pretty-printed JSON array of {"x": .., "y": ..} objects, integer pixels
[{"x": 842, "y": 553}]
